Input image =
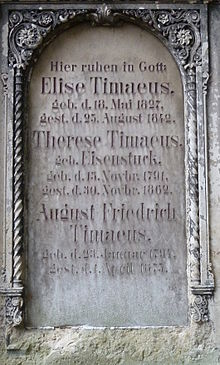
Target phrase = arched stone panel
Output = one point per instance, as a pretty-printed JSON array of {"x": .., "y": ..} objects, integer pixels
[
  {"x": 184, "y": 32},
  {"x": 106, "y": 238}
]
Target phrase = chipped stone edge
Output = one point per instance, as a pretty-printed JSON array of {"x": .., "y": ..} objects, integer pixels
[{"x": 30, "y": 31}]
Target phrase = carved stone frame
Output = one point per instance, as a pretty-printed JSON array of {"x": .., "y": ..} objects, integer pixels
[{"x": 184, "y": 32}]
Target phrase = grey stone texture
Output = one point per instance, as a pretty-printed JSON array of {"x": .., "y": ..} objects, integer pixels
[
  {"x": 101, "y": 264},
  {"x": 128, "y": 347},
  {"x": 193, "y": 344}
]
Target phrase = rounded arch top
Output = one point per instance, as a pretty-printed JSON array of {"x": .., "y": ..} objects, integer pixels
[
  {"x": 179, "y": 30},
  {"x": 185, "y": 34},
  {"x": 102, "y": 97}
]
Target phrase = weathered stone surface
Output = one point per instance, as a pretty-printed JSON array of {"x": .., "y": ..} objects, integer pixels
[
  {"x": 106, "y": 207},
  {"x": 128, "y": 347},
  {"x": 214, "y": 167},
  {"x": 189, "y": 345}
]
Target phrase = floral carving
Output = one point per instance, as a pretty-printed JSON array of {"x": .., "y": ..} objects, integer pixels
[
  {"x": 13, "y": 308},
  {"x": 104, "y": 16},
  {"x": 103, "y": 13},
  {"x": 45, "y": 19},
  {"x": 28, "y": 29},
  {"x": 28, "y": 37},
  {"x": 184, "y": 37},
  {"x": 180, "y": 31},
  {"x": 181, "y": 28},
  {"x": 199, "y": 309},
  {"x": 163, "y": 18}
]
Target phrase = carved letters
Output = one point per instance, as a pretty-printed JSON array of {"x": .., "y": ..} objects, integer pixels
[{"x": 182, "y": 31}]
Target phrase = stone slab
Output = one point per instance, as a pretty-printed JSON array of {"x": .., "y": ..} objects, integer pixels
[{"x": 105, "y": 198}]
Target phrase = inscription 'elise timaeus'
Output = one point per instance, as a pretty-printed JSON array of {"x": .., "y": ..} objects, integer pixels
[{"x": 106, "y": 206}]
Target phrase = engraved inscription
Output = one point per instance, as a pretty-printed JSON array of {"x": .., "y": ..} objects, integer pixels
[{"x": 105, "y": 184}]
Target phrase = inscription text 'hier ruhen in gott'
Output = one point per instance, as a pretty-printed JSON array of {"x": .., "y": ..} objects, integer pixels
[{"x": 105, "y": 182}]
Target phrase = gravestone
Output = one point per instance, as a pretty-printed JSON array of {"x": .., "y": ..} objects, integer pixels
[{"x": 105, "y": 182}]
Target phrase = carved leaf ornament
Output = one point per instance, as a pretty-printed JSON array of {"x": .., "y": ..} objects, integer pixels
[{"x": 181, "y": 33}]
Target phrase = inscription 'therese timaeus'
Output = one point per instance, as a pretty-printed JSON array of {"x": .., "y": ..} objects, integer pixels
[{"x": 105, "y": 180}]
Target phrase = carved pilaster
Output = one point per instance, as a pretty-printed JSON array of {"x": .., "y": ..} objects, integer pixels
[
  {"x": 193, "y": 208},
  {"x": 18, "y": 180},
  {"x": 4, "y": 79},
  {"x": 180, "y": 31}
]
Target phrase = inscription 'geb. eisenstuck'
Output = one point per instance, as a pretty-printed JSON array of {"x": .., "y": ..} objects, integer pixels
[{"x": 106, "y": 199}]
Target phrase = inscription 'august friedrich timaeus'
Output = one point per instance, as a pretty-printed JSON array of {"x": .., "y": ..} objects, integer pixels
[
  {"x": 110, "y": 213},
  {"x": 105, "y": 181}
]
